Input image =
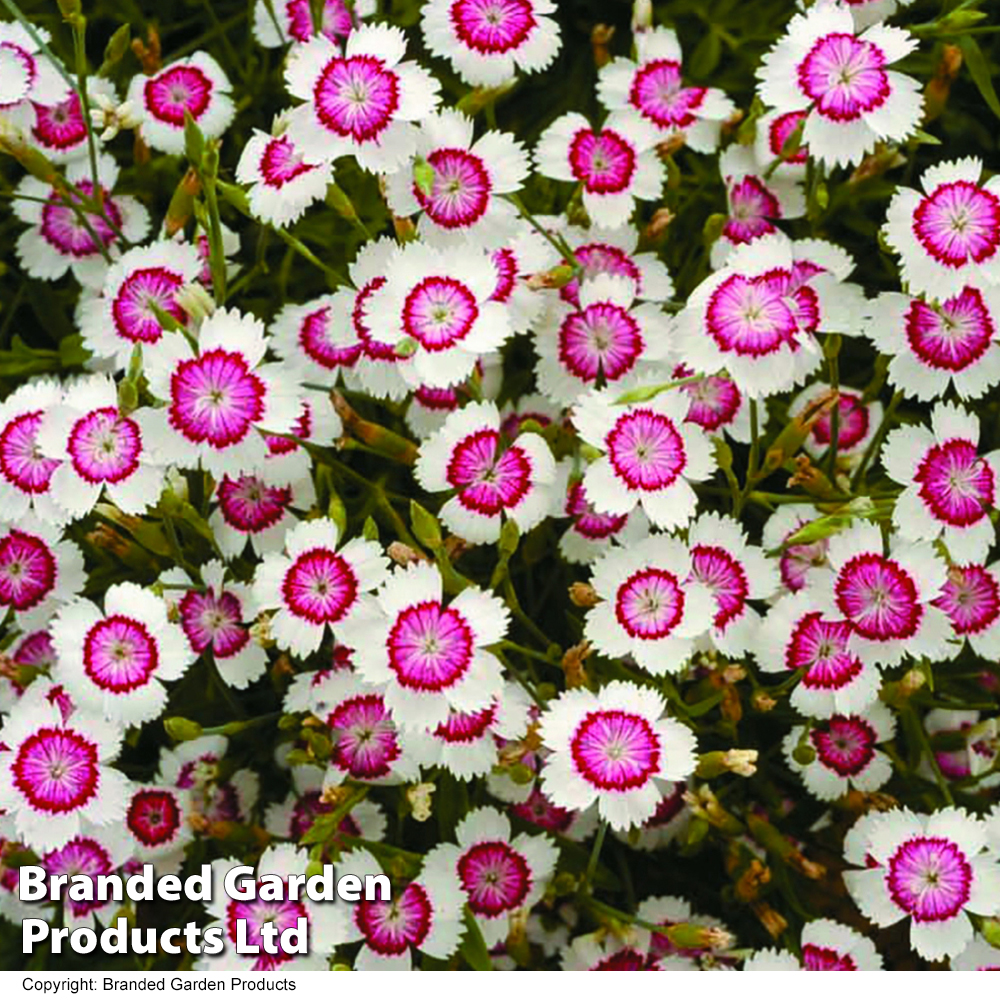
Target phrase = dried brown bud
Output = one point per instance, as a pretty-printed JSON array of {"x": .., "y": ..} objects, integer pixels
[
  {"x": 583, "y": 595},
  {"x": 754, "y": 876},
  {"x": 600, "y": 40},
  {"x": 402, "y": 555},
  {"x": 774, "y": 923},
  {"x": 762, "y": 701},
  {"x": 573, "y": 665},
  {"x": 657, "y": 227}
]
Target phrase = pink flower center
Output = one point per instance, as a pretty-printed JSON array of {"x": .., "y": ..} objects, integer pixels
[
  {"x": 153, "y": 817},
  {"x": 603, "y": 163},
  {"x": 929, "y": 878},
  {"x": 751, "y": 208},
  {"x": 956, "y": 484},
  {"x": 646, "y": 450},
  {"x": 602, "y": 339},
  {"x": 820, "y": 648},
  {"x": 724, "y": 575},
  {"x": 132, "y": 308},
  {"x": 374, "y": 349},
  {"x": 21, "y": 461},
  {"x": 56, "y": 770},
  {"x": 215, "y": 399},
  {"x": 846, "y": 746},
  {"x": 390, "y": 927},
  {"x": 364, "y": 737},
  {"x": 488, "y": 481},
  {"x": 81, "y": 856},
  {"x": 658, "y": 94},
  {"x": 495, "y": 877},
  {"x": 104, "y": 447},
  {"x": 505, "y": 262},
  {"x": 466, "y": 727},
  {"x": 280, "y": 163},
  {"x": 283, "y": 914},
  {"x": 356, "y": 98},
  {"x": 177, "y": 90},
  {"x": 316, "y": 340},
  {"x": 120, "y": 655},
  {"x": 490, "y": 27},
  {"x": 336, "y": 20},
  {"x": 879, "y": 598},
  {"x": 845, "y": 77},
  {"x": 953, "y": 335},
  {"x": 650, "y": 604},
  {"x": 539, "y": 810},
  {"x": 853, "y": 422},
  {"x": 958, "y": 223},
  {"x": 213, "y": 621},
  {"x": 751, "y": 316},
  {"x": 587, "y": 522},
  {"x": 439, "y": 313},
  {"x": 59, "y": 126},
  {"x": 971, "y": 599},
  {"x": 320, "y": 586},
  {"x": 778, "y": 134},
  {"x": 818, "y": 959},
  {"x": 28, "y": 570},
  {"x": 460, "y": 192},
  {"x": 249, "y": 505},
  {"x": 430, "y": 647},
  {"x": 616, "y": 751},
  {"x": 63, "y": 230},
  {"x": 600, "y": 258}
]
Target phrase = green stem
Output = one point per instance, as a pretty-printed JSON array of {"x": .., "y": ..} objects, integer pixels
[
  {"x": 876, "y": 440},
  {"x": 595, "y": 856}
]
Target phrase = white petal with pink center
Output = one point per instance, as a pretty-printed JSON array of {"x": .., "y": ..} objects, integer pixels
[
  {"x": 27, "y": 73},
  {"x": 949, "y": 488},
  {"x": 361, "y": 103},
  {"x": 316, "y": 338},
  {"x": 488, "y": 41},
  {"x": 60, "y": 129},
  {"x": 846, "y": 752},
  {"x": 970, "y": 597},
  {"x": 122, "y": 317},
  {"x": 806, "y": 631},
  {"x": 440, "y": 303},
  {"x": 424, "y": 916},
  {"x": 283, "y": 183},
  {"x": 736, "y": 573},
  {"x": 115, "y": 661},
  {"x": 195, "y": 86},
  {"x": 841, "y": 79},
  {"x": 829, "y": 946},
  {"x": 614, "y": 165},
  {"x": 499, "y": 874},
  {"x": 650, "y": 456},
  {"x": 887, "y": 598},
  {"x": 315, "y": 584},
  {"x": 775, "y": 131},
  {"x": 653, "y": 88},
  {"x": 794, "y": 561},
  {"x": 290, "y": 21},
  {"x": 948, "y": 235},
  {"x": 934, "y": 869},
  {"x": 651, "y": 609},
  {"x": 607, "y": 338},
  {"x": 857, "y": 421},
  {"x": 616, "y": 748},
  {"x": 158, "y": 818},
  {"x": 280, "y": 860},
  {"x": 429, "y": 657},
  {"x": 491, "y": 479},
  {"x": 468, "y": 177},
  {"x": 39, "y": 571},
  {"x": 934, "y": 343},
  {"x": 221, "y": 398},
  {"x": 100, "y": 450},
  {"x": 58, "y": 241},
  {"x": 56, "y": 775}
]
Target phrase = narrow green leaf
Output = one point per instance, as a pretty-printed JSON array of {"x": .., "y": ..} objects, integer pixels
[{"x": 979, "y": 69}]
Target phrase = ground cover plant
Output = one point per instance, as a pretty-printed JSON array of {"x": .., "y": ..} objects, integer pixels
[{"x": 544, "y": 452}]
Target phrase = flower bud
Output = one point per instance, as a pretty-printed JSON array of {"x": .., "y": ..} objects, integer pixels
[
  {"x": 181, "y": 730},
  {"x": 419, "y": 797}
]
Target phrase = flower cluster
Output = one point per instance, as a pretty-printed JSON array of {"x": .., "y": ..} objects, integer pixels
[{"x": 444, "y": 473}]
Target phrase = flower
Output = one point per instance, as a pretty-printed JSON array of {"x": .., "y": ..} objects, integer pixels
[
  {"x": 948, "y": 237},
  {"x": 157, "y": 817},
  {"x": 651, "y": 607},
  {"x": 933, "y": 869},
  {"x": 461, "y": 198},
  {"x": 39, "y": 571},
  {"x": 735, "y": 572},
  {"x": 794, "y": 561},
  {"x": 59, "y": 239},
  {"x": 857, "y": 421},
  {"x": 55, "y": 774},
  {"x": 219, "y": 397},
  {"x": 715, "y": 404},
  {"x": 60, "y": 128},
  {"x": 295, "y": 816},
  {"x": 970, "y": 597},
  {"x": 313, "y": 584},
  {"x": 428, "y": 657},
  {"x": 934, "y": 343},
  {"x": 614, "y": 747},
  {"x": 499, "y": 874},
  {"x": 491, "y": 479},
  {"x": 949, "y": 489},
  {"x": 195, "y": 86},
  {"x": 425, "y": 916},
  {"x": 615, "y": 165},
  {"x": 774, "y": 141},
  {"x": 283, "y": 861},
  {"x": 827, "y": 946},
  {"x": 278, "y": 23},
  {"x": 362, "y": 103},
  {"x": 122, "y": 317},
  {"x": 310, "y": 336},
  {"x": 653, "y": 87},
  {"x": 846, "y": 754},
  {"x": 757, "y": 317},
  {"x": 99, "y": 450},
  {"x": 607, "y": 337},
  {"x": 283, "y": 183},
  {"x": 488, "y": 41},
  {"x": 886, "y": 599},
  {"x": 650, "y": 456},
  {"x": 842, "y": 80},
  {"x": 27, "y": 73},
  {"x": 439, "y": 301},
  {"x": 115, "y": 661},
  {"x": 212, "y": 619}
]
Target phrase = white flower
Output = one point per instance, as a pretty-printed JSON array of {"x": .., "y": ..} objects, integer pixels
[{"x": 857, "y": 422}]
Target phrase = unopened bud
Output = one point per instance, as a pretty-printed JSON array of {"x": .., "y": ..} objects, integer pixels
[
  {"x": 573, "y": 664},
  {"x": 419, "y": 797},
  {"x": 600, "y": 42},
  {"x": 583, "y": 595},
  {"x": 693, "y": 936},
  {"x": 761, "y": 701},
  {"x": 195, "y": 301},
  {"x": 402, "y": 555},
  {"x": 642, "y": 16},
  {"x": 260, "y": 631},
  {"x": 657, "y": 227},
  {"x": 181, "y": 730},
  {"x": 555, "y": 277}
]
